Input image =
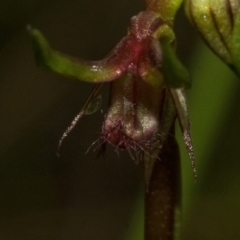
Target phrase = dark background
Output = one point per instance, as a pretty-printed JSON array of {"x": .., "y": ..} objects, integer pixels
[{"x": 77, "y": 196}]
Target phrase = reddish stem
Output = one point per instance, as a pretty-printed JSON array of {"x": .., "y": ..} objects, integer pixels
[{"x": 163, "y": 195}]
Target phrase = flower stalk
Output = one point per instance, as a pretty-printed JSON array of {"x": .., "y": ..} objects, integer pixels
[{"x": 163, "y": 198}]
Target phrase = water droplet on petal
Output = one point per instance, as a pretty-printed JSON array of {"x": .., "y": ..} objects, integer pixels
[{"x": 93, "y": 105}]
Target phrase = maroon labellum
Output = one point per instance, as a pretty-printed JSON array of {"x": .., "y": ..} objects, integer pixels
[{"x": 134, "y": 112}]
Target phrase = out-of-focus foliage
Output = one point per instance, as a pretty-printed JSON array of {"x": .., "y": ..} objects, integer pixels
[{"x": 76, "y": 196}]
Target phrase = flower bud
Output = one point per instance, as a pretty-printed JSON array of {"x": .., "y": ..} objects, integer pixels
[{"x": 218, "y": 21}]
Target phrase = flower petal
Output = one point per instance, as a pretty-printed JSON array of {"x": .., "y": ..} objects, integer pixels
[
  {"x": 107, "y": 69},
  {"x": 180, "y": 102},
  {"x": 175, "y": 74}
]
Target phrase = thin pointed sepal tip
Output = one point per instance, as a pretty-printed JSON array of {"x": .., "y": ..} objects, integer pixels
[
  {"x": 31, "y": 29},
  {"x": 58, "y": 153},
  {"x": 193, "y": 162},
  {"x": 195, "y": 174},
  {"x": 59, "y": 147}
]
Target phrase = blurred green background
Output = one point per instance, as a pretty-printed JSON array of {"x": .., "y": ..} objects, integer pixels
[{"x": 77, "y": 196}]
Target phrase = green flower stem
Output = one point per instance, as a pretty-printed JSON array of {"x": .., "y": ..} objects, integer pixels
[
  {"x": 166, "y": 8},
  {"x": 162, "y": 200}
]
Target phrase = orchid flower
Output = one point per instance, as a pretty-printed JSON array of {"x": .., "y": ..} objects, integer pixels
[{"x": 147, "y": 84}]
